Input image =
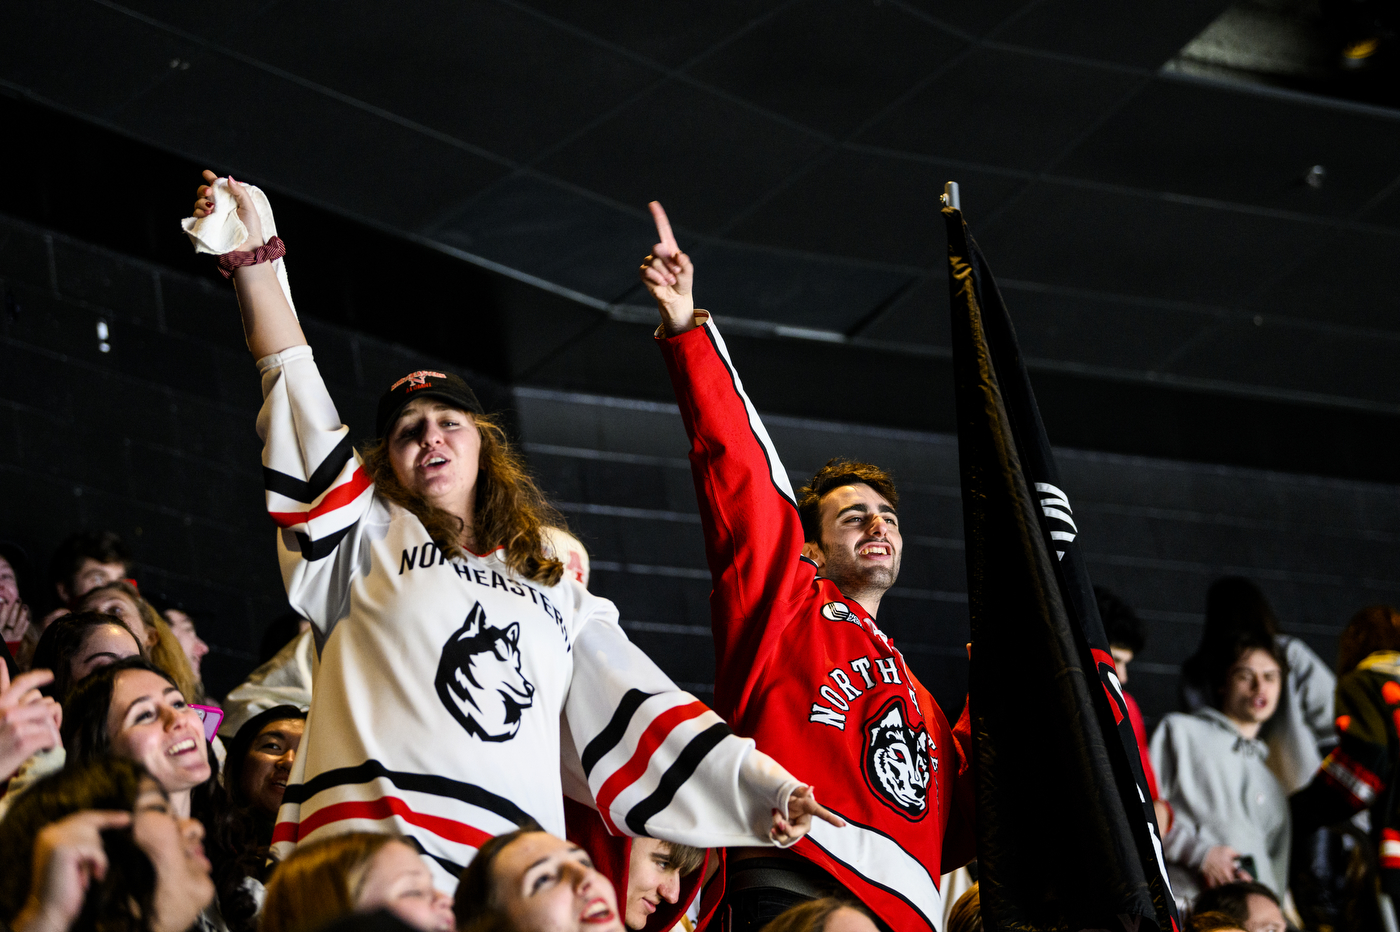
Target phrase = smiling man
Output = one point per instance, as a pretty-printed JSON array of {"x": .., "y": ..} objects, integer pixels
[{"x": 800, "y": 664}]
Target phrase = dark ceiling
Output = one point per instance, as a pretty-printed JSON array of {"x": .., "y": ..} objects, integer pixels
[{"x": 1178, "y": 289}]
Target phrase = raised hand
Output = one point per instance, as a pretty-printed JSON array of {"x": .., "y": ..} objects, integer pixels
[
  {"x": 14, "y": 621},
  {"x": 204, "y": 206},
  {"x": 802, "y": 806},
  {"x": 29, "y": 721},
  {"x": 669, "y": 275},
  {"x": 68, "y": 857}
]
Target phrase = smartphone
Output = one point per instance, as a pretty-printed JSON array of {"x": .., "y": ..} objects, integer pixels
[
  {"x": 1245, "y": 862},
  {"x": 212, "y": 716}
]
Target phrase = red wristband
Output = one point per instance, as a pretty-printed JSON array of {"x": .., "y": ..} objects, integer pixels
[{"x": 272, "y": 249}]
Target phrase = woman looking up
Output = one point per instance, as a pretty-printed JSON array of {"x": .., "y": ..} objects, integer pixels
[
  {"x": 73, "y": 647},
  {"x": 134, "y": 710},
  {"x": 121, "y": 599},
  {"x": 451, "y": 642}
]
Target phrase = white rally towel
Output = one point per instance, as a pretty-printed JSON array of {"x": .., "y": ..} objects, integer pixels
[{"x": 222, "y": 231}]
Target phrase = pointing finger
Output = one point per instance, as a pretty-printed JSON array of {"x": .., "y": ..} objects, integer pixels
[{"x": 663, "y": 229}]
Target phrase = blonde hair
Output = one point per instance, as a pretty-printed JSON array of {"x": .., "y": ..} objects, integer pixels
[
  {"x": 320, "y": 882},
  {"x": 510, "y": 511},
  {"x": 166, "y": 652}
]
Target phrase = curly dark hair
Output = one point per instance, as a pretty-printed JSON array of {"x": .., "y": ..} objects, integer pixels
[{"x": 836, "y": 473}]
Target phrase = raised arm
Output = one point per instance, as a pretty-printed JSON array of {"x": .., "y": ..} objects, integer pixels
[
  {"x": 268, "y": 322},
  {"x": 317, "y": 488},
  {"x": 753, "y": 536}
]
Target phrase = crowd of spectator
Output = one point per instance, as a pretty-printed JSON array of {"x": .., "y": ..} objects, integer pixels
[
  {"x": 135, "y": 801},
  {"x": 133, "y": 813}
]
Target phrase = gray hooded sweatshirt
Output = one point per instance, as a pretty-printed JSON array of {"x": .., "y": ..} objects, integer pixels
[{"x": 1222, "y": 793}]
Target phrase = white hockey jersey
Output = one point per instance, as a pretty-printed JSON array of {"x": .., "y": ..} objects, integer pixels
[{"x": 456, "y": 701}]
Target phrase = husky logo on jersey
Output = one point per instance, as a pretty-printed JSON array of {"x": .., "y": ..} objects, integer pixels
[
  {"x": 897, "y": 763},
  {"x": 479, "y": 678},
  {"x": 839, "y": 611}
]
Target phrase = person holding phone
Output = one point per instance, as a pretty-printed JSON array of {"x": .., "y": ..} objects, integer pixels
[{"x": 1231, "y": 813}]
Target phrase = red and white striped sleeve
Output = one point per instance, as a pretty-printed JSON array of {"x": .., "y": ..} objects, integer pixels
[
  {"x": 316, "y": 486},
  {"x": 657, "y": 761}
]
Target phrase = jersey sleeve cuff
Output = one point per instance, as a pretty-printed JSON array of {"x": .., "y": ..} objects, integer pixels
[
  {"x": 277, "y": 360},
  {"x": 701, "y": 318}
]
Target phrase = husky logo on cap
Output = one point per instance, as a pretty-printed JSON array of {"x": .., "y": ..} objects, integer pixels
[{"x": 417, "y": 380}]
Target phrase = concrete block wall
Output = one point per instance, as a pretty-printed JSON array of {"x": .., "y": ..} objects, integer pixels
[
  {"x": 1155, "y": 531},
  {"x": 154, "y": 438}
]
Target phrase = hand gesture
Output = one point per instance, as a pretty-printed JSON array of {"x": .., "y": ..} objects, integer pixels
[
  {"x": 68, "y": 857},
  {"x": 802, "y": 805},
  {"x": 669, "y": 276},
  {"x": 29, "y": 721},
  {"x": 14, "y": 620},
  {"x": 204, "y": 206},
  {"x": 1219, "y": 867}
]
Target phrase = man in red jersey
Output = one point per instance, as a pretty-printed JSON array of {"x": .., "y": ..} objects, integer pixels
[{"x": 801, "y": 666}]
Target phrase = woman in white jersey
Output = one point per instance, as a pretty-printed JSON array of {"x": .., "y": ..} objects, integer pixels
[{"x": 465, "y": 682}]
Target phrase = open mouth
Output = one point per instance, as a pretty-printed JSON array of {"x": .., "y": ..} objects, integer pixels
[
  {"x": 181, "y": 747},
  {"x": 434, "y": 462},
  {"x": 597, "y": 912},
  {"x": 875, "y": 549},
  {"x": 197, "y": 855}
]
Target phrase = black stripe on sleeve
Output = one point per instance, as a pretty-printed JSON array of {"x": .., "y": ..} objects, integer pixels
[
  {"x": 452, "y": 867},
  {"x": 319, "y": 549},
  {"x": 414, "y": 782},
  {"x": 675, "y": 775},
  {"x": 608, "y": 738},
  {"x": 321, "y": 480}
]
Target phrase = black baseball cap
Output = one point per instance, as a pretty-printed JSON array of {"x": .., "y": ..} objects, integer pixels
[{"x": 424, "y": 383}]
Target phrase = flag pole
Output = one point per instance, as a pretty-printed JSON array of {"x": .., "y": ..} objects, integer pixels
[{"x": 950, "y": 195}]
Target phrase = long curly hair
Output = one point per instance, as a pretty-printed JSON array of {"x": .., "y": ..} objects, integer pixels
[{"x": 510, "y": 511}]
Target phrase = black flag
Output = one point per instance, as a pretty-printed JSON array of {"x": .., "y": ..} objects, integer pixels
[{"x": 1066, "y": 836}]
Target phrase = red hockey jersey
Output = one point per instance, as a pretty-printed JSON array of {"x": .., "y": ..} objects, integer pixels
[{"x": 806, "y": 672}]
